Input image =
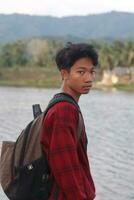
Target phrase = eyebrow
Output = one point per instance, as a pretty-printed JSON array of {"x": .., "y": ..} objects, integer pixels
[{"x": 85, "y": 68}]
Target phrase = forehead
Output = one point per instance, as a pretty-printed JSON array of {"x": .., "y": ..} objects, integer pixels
[{"x": 85, "y": 63}]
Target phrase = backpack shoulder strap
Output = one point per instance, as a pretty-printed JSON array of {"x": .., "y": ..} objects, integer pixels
[{"x": 60, "y": 97}]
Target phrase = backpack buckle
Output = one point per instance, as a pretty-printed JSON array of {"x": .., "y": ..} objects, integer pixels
[{"x": 30, "y": 167}]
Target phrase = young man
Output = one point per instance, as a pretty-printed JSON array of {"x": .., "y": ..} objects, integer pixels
[{"x": 68, "y": 159}]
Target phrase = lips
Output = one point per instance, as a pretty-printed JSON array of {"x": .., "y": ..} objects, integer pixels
[{"x": 87, "y": 86}]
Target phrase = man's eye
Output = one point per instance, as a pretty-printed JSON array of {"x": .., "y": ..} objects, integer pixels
[
  {"x": 81, "y": 72},
  {"x": 93, "y": 72}
]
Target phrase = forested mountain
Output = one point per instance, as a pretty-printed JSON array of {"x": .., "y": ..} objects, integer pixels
[{"x": 113, "y": 25}]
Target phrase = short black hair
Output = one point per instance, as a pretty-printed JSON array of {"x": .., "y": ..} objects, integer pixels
[{"x": 67, "y": 56}]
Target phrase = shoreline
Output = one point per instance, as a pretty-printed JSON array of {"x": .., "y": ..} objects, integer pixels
[
  {"x": 47, "y": 78},
  {"x": 114, "y": 87}
]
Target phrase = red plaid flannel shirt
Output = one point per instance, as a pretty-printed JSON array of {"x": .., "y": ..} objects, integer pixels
[{"x": 68, "y": 160}]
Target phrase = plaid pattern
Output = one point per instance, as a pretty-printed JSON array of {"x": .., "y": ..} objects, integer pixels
[{"x": 68, "y": 160}]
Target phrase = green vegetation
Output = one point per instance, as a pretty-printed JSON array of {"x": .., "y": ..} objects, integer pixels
[
  {"x": 119, "y": 86},
  {"x": 31, "y": 77},
  {"x": 41, "y": 52},
  {"x": 30, "y": 53},
  {"x": 126, "y": 87},
  {"x": 31, "y": 62}
]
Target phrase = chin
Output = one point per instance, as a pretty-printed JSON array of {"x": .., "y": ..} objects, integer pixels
[
  {"x": 86, "y": 91},
  {"x": 80, "y": 92}
]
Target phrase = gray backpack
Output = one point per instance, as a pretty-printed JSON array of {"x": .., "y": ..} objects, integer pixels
[{"x": 24, "y": 170}]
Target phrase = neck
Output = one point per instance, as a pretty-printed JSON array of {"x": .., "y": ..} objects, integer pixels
[{"x": 71, "y": 92}]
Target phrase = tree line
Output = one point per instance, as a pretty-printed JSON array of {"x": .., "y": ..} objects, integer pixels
[{"x": 41, "y": 52}]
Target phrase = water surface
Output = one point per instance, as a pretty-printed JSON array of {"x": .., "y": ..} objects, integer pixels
[{"x": 109, "y": 119}]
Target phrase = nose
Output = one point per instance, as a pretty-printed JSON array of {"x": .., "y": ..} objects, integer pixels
[{"x": 89, "y": 77}]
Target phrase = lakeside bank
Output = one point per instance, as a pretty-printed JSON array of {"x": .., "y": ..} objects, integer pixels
[{"x": 47, "y": 78}]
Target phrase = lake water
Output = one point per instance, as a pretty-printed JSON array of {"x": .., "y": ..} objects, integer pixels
[{"x": 109, "y": 119}]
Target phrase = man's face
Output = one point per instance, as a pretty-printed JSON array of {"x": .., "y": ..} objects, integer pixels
[{"x": 81, "y": 76}]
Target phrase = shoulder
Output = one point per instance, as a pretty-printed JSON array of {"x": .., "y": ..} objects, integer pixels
[
  {"x": 64, "y": 110},
  {"x": 65, "y": 106}
]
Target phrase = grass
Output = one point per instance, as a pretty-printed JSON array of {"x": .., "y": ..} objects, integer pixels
[
  {"x": 44, "y": 77},
  {"x": 31, "y": 77},
  {"x": 126, "y": 87},
  {"x": 119, "y": 86}
]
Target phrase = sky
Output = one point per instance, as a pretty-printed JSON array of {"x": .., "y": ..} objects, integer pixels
[{"x": 61, "y": 8}]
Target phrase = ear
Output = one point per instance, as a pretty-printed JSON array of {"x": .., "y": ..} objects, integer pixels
[{"x": 64, "y": 74}]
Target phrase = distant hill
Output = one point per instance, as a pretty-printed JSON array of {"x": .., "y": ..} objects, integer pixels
[{"x": 113, "y": 25}]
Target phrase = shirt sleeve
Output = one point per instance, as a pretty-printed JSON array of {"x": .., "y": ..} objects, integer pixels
[{"x": 63, "y": 156}]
